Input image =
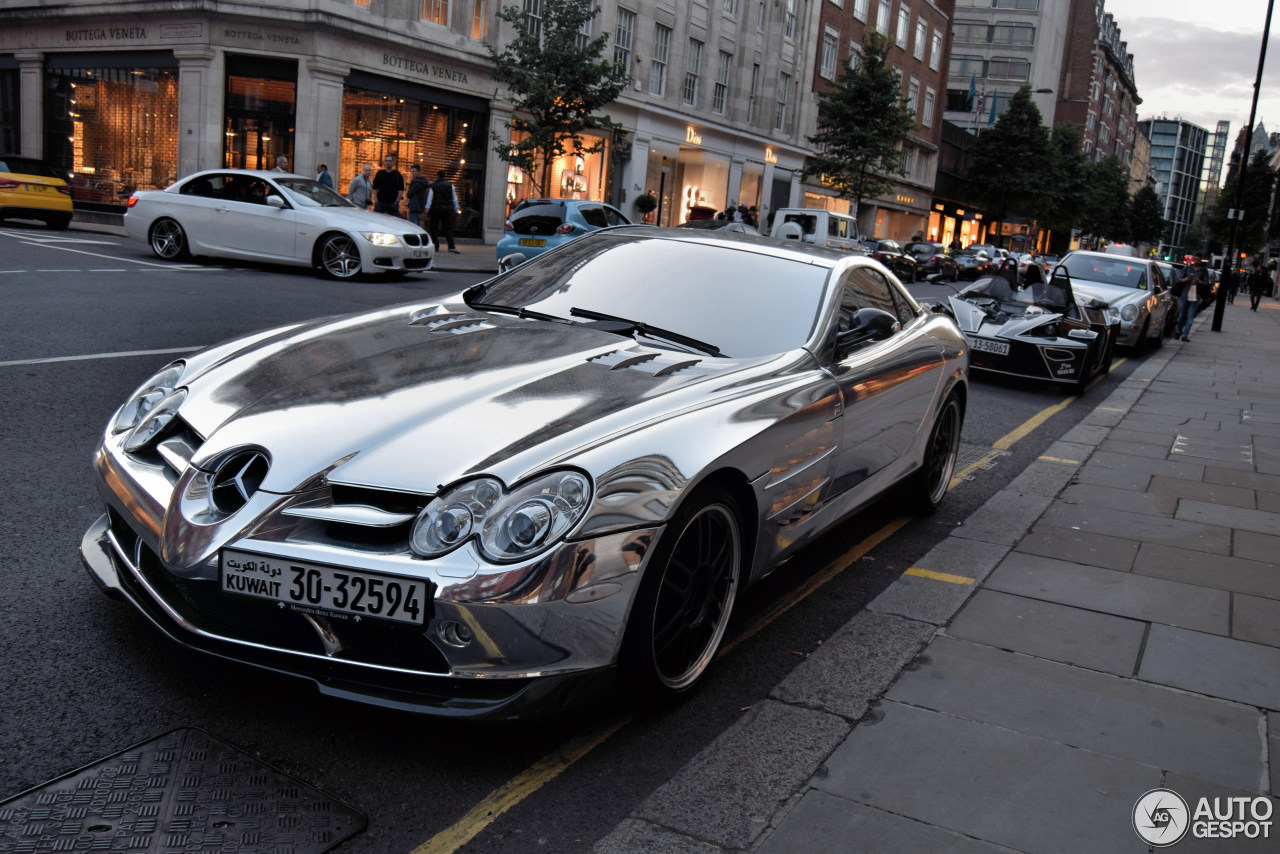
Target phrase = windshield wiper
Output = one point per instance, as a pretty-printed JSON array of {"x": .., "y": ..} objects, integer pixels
[
  {"x": 518, "y": 311},
  {"x": 634, "y": 326}
]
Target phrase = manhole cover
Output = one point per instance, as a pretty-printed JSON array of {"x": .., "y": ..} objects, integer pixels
[{"x": 185, "y": 792}]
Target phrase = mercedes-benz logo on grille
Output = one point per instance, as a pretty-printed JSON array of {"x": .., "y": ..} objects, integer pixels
[{"x": 237, "y": 479}]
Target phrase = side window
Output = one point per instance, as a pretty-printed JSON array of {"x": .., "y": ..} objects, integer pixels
[
  {"x": 614, "y": 217},
  {"x": 1158, "y": 278},
  {"x": 833, "y": 226},
  {"x": 202, "y": 187},
  {"x": 867, "y": 288},
  {"x": 594, "y": 217}
]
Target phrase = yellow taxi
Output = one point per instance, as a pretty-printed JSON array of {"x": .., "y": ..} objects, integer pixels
[{"x": 30, "y": 189}]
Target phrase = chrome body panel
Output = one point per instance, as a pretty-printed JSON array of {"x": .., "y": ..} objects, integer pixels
[
  {"x": 400, "y": 404},
  {"x": 1151, "y": 303}
]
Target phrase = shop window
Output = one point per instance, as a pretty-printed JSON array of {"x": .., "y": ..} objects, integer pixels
[
  {"x": 10, "y": 126},
  {"x": 434, "y": 136},
  {"x": 259, "y": 122},
  {"x": 114, "y": 129},
  {"x": 436, "y": 11}
]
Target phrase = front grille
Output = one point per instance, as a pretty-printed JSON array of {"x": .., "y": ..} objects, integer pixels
[{"x": 415, "y": 239}]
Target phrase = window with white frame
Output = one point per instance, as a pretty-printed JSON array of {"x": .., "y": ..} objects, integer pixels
[
  {"x": 1104, "y": 135},
  {"x": 904, "y": 26},
  {"x": 753, "y": 97},
  {"x": 533, "y": 18},
  {"x": 909, "y": 159},
  {"x": 935, "y": 50},
  {"x": 924, "y": 164},
  {"x": 479, "y": 19},
  {"x": 926, "y": 115},
  {"x": 760, "y": 15},
  {"x": 780, "y": 107},
  {"x": 624, "y": 37},
  {"x": 692, "y": 68},
  {"x": 1004, "y": 32},
  {"x": 730, "y": 8},
  {"x": 1091, "y": 121},
  {"x": 922, "y": 36},
  {"x": 583, "y": 36},
  {"x": 436, "y": 11},
  {"x": 855, "y": 54},
  {"x": 1009, "y": 68},
  {"x": 860, "y": 9},
  {"x": 882, "y": 18},
  {"x": 658, "y": 64},
  {"x": 789, "y": 20},
  {"x": 913, "y": 96},
  {"x": 720, "y": 95},
  {"x": 830, "y": 53}
]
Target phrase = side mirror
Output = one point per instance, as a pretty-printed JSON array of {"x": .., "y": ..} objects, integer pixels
[
  {"x": 275, "y": 202},
  {"x": 868, "y": 324},
  {"x": 1082, "y": 334},
  {"x": 506, "y": 262}
]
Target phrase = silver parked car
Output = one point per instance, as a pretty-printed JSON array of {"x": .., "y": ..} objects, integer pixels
[
  {"x": 489, "y": 504},
  {"x": 276, "y": 218},
  {"x": 1135, "y": 288}
]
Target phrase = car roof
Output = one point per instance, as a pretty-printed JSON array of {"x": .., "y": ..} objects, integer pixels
[{"x": 794, "y": 249}]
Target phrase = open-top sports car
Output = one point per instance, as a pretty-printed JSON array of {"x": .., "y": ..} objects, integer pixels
[
  {"x": 489, "y": 504},
  {"x": 276, "y": 218},
  {"x": 1040, "y": 330}
]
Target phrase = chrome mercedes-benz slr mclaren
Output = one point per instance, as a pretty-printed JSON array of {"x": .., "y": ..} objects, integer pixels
[{"x": 493, "y": 504}]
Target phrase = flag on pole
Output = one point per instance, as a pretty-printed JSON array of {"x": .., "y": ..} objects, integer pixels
[
  {"x": 982, "y": 99},
  {"x": 995, "y": 97},
  {"x": 973, "y": 90}
]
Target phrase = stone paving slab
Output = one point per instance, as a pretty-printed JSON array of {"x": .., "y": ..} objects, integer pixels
[
  {"x": 1135, "y": 449},
  {"x": 1004, "y": 518},
  {"x": 1171, "y": 489},
  {"x": 1087, "y": 434},
  {"x": 1224, "y": 572},
  {"x": 1108, "y": 469},
  {"x": 1192, "y": 789},
  {"x": 824, "y": 823},
  {"x": 990, "y": 783},
  {"x": 1256, "y": 620},
  {"x": 1079, "y": 547},
  {"x": 1212, "y": 665},
  {"x": 1043, "y": 477},
  {"x": 1259, "y": 547},
  {"x": 1242, "y": 479},
  {"x": 1110, "y": 592},
  {"x": 632, "y": 836},
  {"x": 1146, "y": 503},
  {"x": 1204, "y": 513},
  {"x": 930, "y": 600},
  {"x": 1049, "y": 630},
  {"x": 1206, "y": 535},
  {"x": 1081, "y": 708},
  {"x": 1269, "y": 501},
  {"x": 855, "y": 665},
  {"x": 729, "y": 792}
]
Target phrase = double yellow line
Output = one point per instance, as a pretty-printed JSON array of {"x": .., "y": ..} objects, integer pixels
[{"x": 537, "y": 775}]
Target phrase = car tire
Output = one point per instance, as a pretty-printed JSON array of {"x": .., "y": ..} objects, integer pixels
[
  {"x": 912, "y": 277},
  {"x": 929, "y": 485},
  {"x": 338, "y": 257},
  {"x": 167, "y": 239},
  {"x": 686, "y": 597},
  {"x": 60, "y": 222},
  {"x": 1144, "y": 337}
]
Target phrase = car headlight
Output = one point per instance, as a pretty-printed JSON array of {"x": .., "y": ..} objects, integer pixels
[
  {"x": 1129, "y": 313},
  {"x": 154, "y": 423},
  {"x": 380, "y": 238},
  {"x": 508, "y": 525},
  {"x": 148, "y": 396}
]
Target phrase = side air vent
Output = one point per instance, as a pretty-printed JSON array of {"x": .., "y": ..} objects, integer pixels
[
  {"x": 438, "y": 319},
  {"x": 649, "y": 362}
]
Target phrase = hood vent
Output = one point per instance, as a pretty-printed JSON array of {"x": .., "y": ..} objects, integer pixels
[
  {"x": 439, "y": 319},
  {"x": 653, "y": 364}
]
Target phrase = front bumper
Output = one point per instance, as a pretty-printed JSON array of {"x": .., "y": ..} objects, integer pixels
[{"x": 542, "y": 635}]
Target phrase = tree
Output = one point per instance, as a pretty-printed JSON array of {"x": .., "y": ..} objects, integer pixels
[
  {"x": 1067, "y": 186},
  {"x": 557, "y": 82},
  {"x": 1106, "y": 212},
  {"x": 1146, "y": 220},
  {"x": 1009, "y": 164},
  {"x": 861, "y": 125},
  {"x": 1255, "y": 201}
]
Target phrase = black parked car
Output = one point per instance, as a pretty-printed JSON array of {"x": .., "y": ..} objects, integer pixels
[
  {"x": 891, "y": 254},
  {"x": 933, "y": 260}
]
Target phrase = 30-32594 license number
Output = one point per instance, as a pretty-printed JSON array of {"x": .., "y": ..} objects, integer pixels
[{"x": 327, "y": 588}]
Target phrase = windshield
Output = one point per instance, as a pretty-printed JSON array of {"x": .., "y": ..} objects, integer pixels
[
  {"x": 306, "y": 193},
  {"x": 1107, "y": 270},
  {"x": 745, "y": 302},
  {"x": 1053, "y": 295}
]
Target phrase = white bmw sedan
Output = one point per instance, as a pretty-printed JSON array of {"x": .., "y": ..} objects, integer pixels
[{"x": 278, "y": 218}]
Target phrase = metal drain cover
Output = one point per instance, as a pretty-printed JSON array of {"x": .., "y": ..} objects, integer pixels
[{"x": 185, "y": 792}]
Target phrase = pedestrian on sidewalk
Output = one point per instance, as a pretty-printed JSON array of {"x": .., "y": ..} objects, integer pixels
[
  {"x": 360, "y": 190},
  {"x": 442, "y": 204},
  {"x": 1231, "y": 283},
  {"x": 1195, "y": 284},
  {"x": 388, "y": 187},
  {"x": 1259, "y": 284},
  {"x": 416, "y": 194}
]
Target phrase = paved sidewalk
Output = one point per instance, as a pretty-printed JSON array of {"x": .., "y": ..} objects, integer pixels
[{"x": 1106, "y": 625}]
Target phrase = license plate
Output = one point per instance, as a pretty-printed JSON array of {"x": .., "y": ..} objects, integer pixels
[
  {"x": 1000, "y": 348},
  {"x": 39, "y": 188},
  {"x": 532, "y": 241},
  {"x": 418, "y": 253},
  {"x": 316, "y": 588}
]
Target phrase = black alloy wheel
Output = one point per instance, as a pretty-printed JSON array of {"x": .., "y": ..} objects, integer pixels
[{"x": 931, "y": 483}]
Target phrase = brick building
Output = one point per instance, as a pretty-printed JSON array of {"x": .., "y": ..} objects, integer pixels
[
  {"x": 919, "y": 33},
  {"x": 1096, "y": 89}
]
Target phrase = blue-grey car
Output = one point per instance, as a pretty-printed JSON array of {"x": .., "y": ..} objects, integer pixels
[{"x": 537, "y": 225}]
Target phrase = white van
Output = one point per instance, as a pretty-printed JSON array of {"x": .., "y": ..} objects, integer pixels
[{"x": 819, "y": 227}]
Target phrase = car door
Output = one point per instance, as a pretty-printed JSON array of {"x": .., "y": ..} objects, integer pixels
[
  {"x": 884, "y": 400},
  {"x": 249, "y": 226},
  {"x": 1159, "y": 287}
]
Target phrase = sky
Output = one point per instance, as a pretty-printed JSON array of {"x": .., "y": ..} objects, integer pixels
[{"x": 1199, "y": 60}]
